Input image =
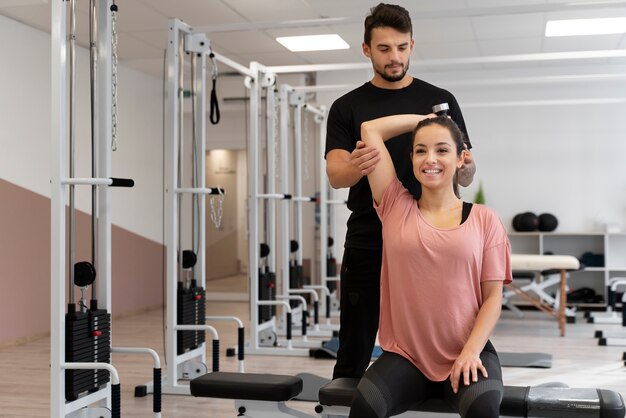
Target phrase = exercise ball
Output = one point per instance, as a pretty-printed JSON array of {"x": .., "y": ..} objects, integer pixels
[
  {"x": 547, "y": 222},
  {"x": 525, "y": 222}
]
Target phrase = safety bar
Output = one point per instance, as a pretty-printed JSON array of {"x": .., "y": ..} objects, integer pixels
[
  {"x": 240, "y": 336},
  {"x": 216, "y": 341},
  {"x": 156, "y": 375}
]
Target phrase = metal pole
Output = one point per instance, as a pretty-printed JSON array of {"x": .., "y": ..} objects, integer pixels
[
  {"x": 72, "y": 132},
  {"x": 171, "y": 199},
  {"x": 59, "y": 131},
  {"x": 253, "y": 203},
  {"x": 297, "y": 182},
  {"x": 284, "y": 177},
  {"x": 270, "y": 128}
]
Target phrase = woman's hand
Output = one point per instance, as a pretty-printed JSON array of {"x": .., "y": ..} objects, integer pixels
[{"x": 466, "y": 367}]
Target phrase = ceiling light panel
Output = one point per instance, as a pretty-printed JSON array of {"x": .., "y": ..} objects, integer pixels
[
  {"x": 313, "y": 42},
  {"x": 585, "y": 27}
]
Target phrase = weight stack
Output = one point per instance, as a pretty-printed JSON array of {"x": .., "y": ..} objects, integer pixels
[
  {"x": 87, "y": 339},
  {"x": 267, "y": 291},
  {"x": 191, "y": 311}
]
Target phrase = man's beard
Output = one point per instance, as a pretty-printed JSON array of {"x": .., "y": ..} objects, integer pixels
[{"x": 394, "y": 77}]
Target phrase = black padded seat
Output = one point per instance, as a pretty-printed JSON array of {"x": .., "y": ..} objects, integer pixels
[
  {"x": 252, "y": 386},
  {"x": 517, "y": 401}
]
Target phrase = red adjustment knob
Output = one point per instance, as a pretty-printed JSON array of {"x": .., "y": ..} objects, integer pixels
[
  {"x": 96, "y": 333},
  {"x": 197, "y": 297},
  {"x": 271, "y": 285}
]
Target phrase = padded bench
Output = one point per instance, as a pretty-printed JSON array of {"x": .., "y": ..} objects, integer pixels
[
  {"x": 256, "y": 395},
  {"x": 519, "y": 401},
  {"x": 264, "y": 396}
]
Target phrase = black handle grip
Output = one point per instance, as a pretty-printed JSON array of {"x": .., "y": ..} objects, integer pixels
[
  {"x": 156, "y": 400},
  {"x": 117, "y": 182},
  {"x": 327, "y": 306},
  {"x": 316, "y": 312},
  {"x": 305, "y": 313},
  {"x": 217, "y": 190},
  {"x": 287, "y": 196},
  {"x": 115, "y": 401},
  {"x": 216, "y": 355},
  {"x": 240, "y": 340},
  {"x": 289, "y": 325}
]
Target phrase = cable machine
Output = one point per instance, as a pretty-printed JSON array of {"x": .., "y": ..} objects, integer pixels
[{"x": 83, "y": 382}]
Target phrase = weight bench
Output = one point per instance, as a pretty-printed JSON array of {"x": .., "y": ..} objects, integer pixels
[
  {"x": 264, "y": 396},
  {"x": 518, "y": 401}
]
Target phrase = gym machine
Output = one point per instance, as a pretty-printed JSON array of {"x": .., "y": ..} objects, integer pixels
[
  {"x": 186, "y": 319},
  {"x": 83, "y": 382}
]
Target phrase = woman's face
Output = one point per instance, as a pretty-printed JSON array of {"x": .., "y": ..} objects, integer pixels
[{"x": 434, "y": 157}]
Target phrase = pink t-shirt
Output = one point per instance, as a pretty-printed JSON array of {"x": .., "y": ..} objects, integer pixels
[{"x": 430, "y": 290}]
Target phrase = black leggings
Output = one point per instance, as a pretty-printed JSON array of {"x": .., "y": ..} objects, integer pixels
[{"x": 393, "y": 385}]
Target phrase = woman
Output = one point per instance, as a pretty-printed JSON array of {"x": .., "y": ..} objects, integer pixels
[{"x": 444, "y": 265}]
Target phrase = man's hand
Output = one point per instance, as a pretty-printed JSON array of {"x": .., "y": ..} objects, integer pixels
[
  {"x": 467, "y": 170},
  {"x": 345, "y": 169},
  {"x": 364, "y": 158}
]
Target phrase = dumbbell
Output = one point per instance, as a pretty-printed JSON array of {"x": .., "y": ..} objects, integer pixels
[{"x": 441, "y": 109}]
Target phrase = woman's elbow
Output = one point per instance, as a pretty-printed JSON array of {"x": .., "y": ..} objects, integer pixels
[{"x": 366, "y": 130}]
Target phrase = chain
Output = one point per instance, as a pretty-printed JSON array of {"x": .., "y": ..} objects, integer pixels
[
  {"x": 114, "y": 143},
  {"x": 216, "y": 215}
]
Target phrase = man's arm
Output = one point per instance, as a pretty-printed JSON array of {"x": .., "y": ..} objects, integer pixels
[{"x": 345, "y": 169}]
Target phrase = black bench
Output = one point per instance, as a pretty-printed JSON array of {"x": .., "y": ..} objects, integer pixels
[
  {"x": 518, "y": 401},
  {"x": 264, "y": 396}
]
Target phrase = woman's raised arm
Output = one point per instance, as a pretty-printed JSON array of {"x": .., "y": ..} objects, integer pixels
[{"x": 374, "y": 133}]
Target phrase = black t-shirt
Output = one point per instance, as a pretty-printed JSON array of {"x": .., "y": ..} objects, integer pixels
[{"x": 344, "y": 130}]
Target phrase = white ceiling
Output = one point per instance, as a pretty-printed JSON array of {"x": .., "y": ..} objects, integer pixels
[{"x": 445, "y": 31}]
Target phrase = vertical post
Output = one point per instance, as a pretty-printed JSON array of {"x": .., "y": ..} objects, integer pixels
[
  {"x": 253, "y": 202},
  {"x": 171, "y": 207},
  {"x": 270, "y": 129},
  {"x": 103, "y": 132},
  {"x": 323, "y": 202},
  {"x": 284, "y": 178},
  {"x": 200, "y": 164},
  {"x": 297, "y": 175},
  {"x": 58, "y": 136}
]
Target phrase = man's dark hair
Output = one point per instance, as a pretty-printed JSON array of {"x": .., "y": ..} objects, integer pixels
[{"x": 387, "y": 15}]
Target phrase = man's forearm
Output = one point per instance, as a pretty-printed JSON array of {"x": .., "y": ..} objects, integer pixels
[{"x": 342, "y": 174}]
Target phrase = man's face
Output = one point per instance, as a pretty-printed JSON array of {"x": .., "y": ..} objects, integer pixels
[{"x": 389, "y": 51}]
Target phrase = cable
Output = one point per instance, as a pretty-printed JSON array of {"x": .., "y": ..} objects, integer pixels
[{"x": 163, "y": 275}]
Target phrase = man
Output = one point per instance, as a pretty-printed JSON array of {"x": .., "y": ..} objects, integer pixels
[{"x": 388, "y": 43}]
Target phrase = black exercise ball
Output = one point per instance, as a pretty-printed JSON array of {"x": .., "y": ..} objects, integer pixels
[
  {"x": 547, "y": 222},
  {"x": 525, "y": 222}
]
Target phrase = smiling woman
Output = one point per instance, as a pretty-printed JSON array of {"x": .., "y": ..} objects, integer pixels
[{"x": 433, "y": 247}]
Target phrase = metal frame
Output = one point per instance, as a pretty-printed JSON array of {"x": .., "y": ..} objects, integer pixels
[{"x": 59, "y": 407}]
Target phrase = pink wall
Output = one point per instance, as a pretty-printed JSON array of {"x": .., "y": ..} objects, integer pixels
[{"x": 137, "y": 265}]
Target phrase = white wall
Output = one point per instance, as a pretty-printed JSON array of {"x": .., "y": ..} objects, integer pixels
[{"x": 25, "y": 139}]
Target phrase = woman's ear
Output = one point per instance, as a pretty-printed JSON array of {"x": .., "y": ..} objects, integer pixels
[{"x": 461, "y": 160}]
